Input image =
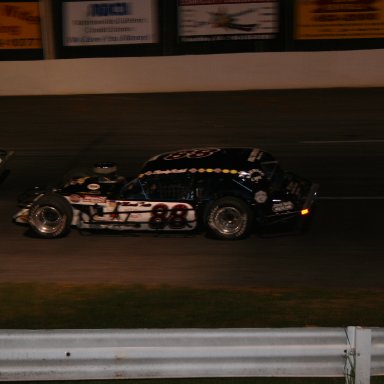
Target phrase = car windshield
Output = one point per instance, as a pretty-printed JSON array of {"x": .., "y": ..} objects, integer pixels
[{"x": 272, "y": 170}]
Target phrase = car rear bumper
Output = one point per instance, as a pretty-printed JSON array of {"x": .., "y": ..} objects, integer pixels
[{"x": 4, "y": 157}]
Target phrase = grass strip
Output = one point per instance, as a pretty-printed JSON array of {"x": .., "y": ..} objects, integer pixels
[{"x": 59, "y": 306}]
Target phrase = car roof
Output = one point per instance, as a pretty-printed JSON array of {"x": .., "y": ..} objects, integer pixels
[{"x": 211, "y": 158}]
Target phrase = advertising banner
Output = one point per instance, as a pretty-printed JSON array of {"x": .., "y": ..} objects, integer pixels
[
  {"x": 339, "y": 19},
  {"x": 207, "y": 20},
  {"x": 20, "y": 26},
  {"x": 109, "y": 22}
]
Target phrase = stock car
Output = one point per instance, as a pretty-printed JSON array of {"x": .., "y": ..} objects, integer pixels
[
  {"x": 4, "y": 158},
  {"x": 224, "y": 191}
]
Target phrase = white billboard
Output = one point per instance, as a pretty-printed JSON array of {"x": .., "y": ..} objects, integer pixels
[
  {"x": 204, "y": 20},
  {"x": 109, "y": 22}
]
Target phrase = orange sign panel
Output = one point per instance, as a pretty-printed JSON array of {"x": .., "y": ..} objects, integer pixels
[
  {"x": 20, "y": 26},
  {"x": 339, "y": 19}
]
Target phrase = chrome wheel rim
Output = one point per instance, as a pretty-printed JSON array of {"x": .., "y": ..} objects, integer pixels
[
  {"x": 228, "y": 220},
  {"x": 47, "y": 219}
]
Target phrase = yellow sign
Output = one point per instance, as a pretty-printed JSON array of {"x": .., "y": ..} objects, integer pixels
[
  {"x": 339, "y": 19},
  {"x": 20, "y": 26}
]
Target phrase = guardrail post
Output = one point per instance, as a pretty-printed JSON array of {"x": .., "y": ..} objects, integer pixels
[{"x": 358, "y": 356}]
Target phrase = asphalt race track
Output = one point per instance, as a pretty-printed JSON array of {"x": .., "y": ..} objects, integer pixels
[{"x": 334, "y": 137}]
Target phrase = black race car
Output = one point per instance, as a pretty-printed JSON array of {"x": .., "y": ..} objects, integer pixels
[
  {"x": 225, "y": 191},
  {"x": 4, "y": 158}
]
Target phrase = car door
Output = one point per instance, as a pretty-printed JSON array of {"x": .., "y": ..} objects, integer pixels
[{"x": 150, "y": 203}]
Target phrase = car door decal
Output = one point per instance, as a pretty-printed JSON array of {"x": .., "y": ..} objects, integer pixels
[{"x": 141, "y": 214}]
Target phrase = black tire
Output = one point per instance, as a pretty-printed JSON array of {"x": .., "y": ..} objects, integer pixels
[
  {"x": 229, "y": 218},
  {"x": 51, "y": 216}
]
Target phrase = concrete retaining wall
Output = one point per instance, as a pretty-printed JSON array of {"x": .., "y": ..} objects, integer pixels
[{"x": 224, "y": 72}]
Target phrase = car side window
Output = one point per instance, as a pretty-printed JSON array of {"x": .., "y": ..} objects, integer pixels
[
  {"x": 169, "y": 187},
  {"x": 133, "y": 191}
]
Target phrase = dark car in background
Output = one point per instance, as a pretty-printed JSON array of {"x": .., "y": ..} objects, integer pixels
[
  {"x": 224, "y": 191},
  {"x": 4, "y": 158}
]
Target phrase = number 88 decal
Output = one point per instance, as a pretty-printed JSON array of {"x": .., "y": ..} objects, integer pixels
[
  {"x": 175, "y": 218},
  {"x": 192, "y": 154}
]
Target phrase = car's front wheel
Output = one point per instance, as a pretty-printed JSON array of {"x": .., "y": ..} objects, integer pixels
[
  {"x": 229, "y": 218},
  {"x": 51, "y": 216}
]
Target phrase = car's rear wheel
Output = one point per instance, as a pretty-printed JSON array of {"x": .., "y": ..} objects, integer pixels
[
  {"x": 51, "y": 216},
  {"x": 229, "y": 218}
]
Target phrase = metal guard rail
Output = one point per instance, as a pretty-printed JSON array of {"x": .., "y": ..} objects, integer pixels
[{"x": 353, "y": 352}]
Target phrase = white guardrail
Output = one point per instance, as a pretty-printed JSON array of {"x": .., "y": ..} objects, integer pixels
[{"x": 353, "y": 352}]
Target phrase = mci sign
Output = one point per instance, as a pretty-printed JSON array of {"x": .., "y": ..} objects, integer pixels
[
  {"x": 109, "y": 23},
  {"x": 109, "y": 9}
]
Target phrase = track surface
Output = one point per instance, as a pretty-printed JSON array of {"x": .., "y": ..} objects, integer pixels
[{"x": 334, "y": 137}]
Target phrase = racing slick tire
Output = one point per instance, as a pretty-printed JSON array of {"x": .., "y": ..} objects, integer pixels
[
  {"x": 51, "y": 216},
  {"x": 229, "y": 218}
]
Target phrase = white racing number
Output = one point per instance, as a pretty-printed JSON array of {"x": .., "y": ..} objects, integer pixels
[{"x": 192, "y": 154}]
